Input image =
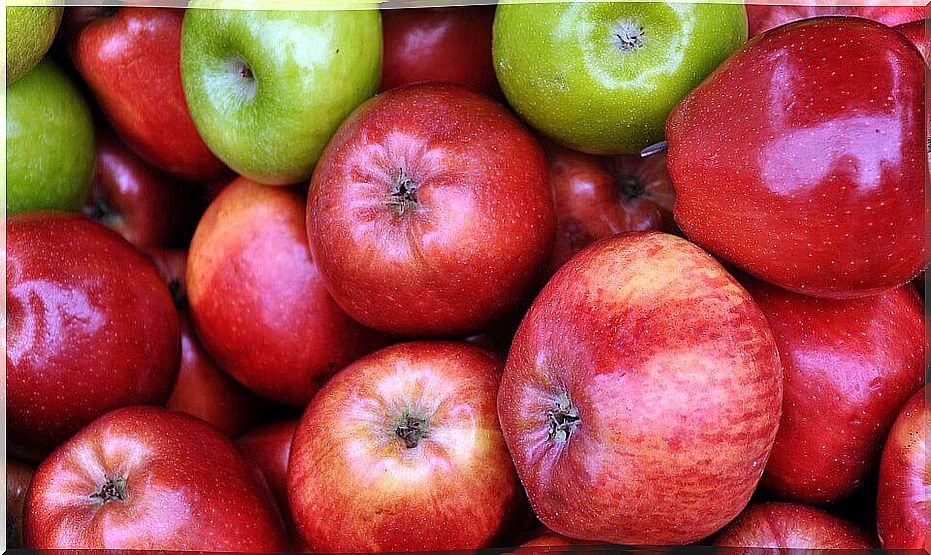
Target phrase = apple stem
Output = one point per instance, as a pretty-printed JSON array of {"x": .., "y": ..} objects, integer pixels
[
  {"x": 564, "y": 419},
  {"x": 653, "y": 149},
  {"x": 411, "y": 430},
  {"x": 628, "y": 36},
  {"x": 114, "y": 489},
  {"x": 402, "y": 196}
]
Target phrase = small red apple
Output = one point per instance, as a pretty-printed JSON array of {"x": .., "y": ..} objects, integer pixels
[
  {"x": 600, "y": 196},
  {"x": 451, "y": 44},
  {"x": 429, "y": 212},
  {"x": 849, "y": 365},
  {"x": 258, "y": 302},
  {"x": 641, "y": 394},
  {"x": 781, "y": 526},
  {"x": 131, "y": 60},
  {"x": 149, "y": 478},
  {"x": 802, "y": 158},
  {"x": 18, "y": 477},
  {"x": 401, "y": 451},
  {"x": 905, "y": 479},
  {"x": 92, "y": 327},
  {"x": 764, "y": 17}
]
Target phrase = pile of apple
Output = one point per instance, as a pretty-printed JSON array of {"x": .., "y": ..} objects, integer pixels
[{"x": 424, "y": 279}]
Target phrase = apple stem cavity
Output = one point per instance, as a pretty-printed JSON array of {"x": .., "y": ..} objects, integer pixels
[
  {"x": 630, "y": 186},
  {"x": 411, "y": 430},
  {"x": 114, "y": 489},
  {"x": 245, "y": 77},
  {"x": 627, "y": 36},
  {"x": 402, "y": 196},
  {"x": 564, "y": 419}
]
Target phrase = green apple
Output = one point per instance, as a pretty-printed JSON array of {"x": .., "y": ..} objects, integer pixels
[
  {"x": 49, "y": 142},
  {"x": 601, "y": 77},
  {"x": 267, "y": 89},
  {"x": 29, "y": 33}
]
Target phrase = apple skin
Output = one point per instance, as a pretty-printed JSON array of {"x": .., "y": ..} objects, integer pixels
[
  {"x": 145, "y": 206},
  {"x": 131, "y": 62},
  {"x": 641, "y": 394},
  {"x": 763, "y": 18},
  {"x": 258, "y": 301},
  {"x": 18, "y": 477},
  {"x": 162, "y": 480},
  {"x": 901, "y": 505},
  {"x": 451, "y": 44},
  {"x": 284, "y": 80},
  {"x": 49, "y": 159},
  {"x": 597, "y": 197},
  {"x": 548, "y": 540},
  {"x": 916, "y": 33},
  {"x": 568, "y": 73},
  {"x": 779, "y": 526},
  {"x": 30, "y": 31},
  {"x": 429, "y": 213},
  {"x": 362, "y": 479},
  {"x": 846, "y": 222},
  {"x": 863, "y": 358},
  {"x": 92, "y": 327}
]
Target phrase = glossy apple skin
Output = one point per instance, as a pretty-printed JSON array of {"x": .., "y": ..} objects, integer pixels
[
  {"x": 916, "y": 32},
  {"x": 904, "y": 480},
  {"x": 775, "y": 525},
  {"x": 132, "y": 63},
  {"x": 92, "y": 327},
  {"x": 18, "y": 476},
  {"x": 674, "y": 378},
  {"x": 846, "y": 221},
  {"x": 258, "y": 301},
  {"x": 450, "y": 44},
  {"x": 147, "y": 207},
  {"x": 598, "y": 196},
  {"x": 849, "y": 365},
  {"x": 550, "y": 540},
  {"x": 357, "y": 486},
  {"x": 762, "y": 17},
  {"x": 466, "y": 247},
  {"x": 186, "y": 487}
]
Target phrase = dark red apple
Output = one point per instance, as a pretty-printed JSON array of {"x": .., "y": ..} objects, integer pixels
[
  {"x": 905, "y": 479},
  {"x": 600, "y": 196},
  {"x": 849, "y": 366},
  {"x": 92, "y": 327},
  {"x": 802, "y": 158},
  {"x": 258, "y": 302},
  {"x": 149, "y": 478},
  {"x": 147, "y": 207},
  {"x": 451, "y": 44},
  {"x": 549, "y": 543},
  {"x": 131, "y": 60},
  {"x": 792, "y": 526},
  {"x": 641, "y": 394},
  {"x": 429, "y": 213},
  {"x": 763, "y": 17},
  {"x": 917, "y": 33},
  {"x": 172, "y": 266},
  {"x": 18, "y": 477},
  {"x": 401, "y": 451}
]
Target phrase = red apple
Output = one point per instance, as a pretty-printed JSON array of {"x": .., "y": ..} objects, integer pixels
[
  {"x": 147, "y": 207},
  {"x": 149, "y": 478},
  {"x": 258, "y": 302},
  {"x": 550, "y": 542},
  {"x": 641, "y": 394},
  {"x": 801, "y": 159},
  {"x": 792, "y": 526},
  {"x": 429, "y": 213},
  {"x": 131, "y": 60},
  {"x": 905, "y": 480},
  {"x": 763, "y": 17},
  {"x": 600, "y": 196},
  {"x": 849, "y": 366},
  {"x": 401, "y": 451},
  {"x": 92, "y": 327},
  {"x": 172, "y": 266},
  {"x": 450, "y": 44},
  {"x": 18, "y": 477},
  {"x": 917, "y": 33}
]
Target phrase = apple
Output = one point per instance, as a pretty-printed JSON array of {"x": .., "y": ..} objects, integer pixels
[
  {"x": 401, "y": 451},
  {"x": 779, "y": 526},
  {"x": 429, "y": 213},
  {"x": 18, "y": 477},
  {"x": 602, "y": 77},
  {"x": 150, "y": 478},
  {"x": 49, "y": 159},
  {"x": 764, "y": 17},
  {"x": 597, "y": 197},
  {"x": 552, "y": 542},
  {"x": 145, "y": 206},
  {"x": 267, "y": 89},
  {"x": 130, "y": 60},
  {"x": 904, "y": 481},
  {"x": 172, "y": 267},
  {"x": 916, "y": 32},
  {"x": 849, "y": 365},
  {"x": 641, "y": 394},
  {"x": 30, "y": 31},
  {"x": 801, "y": 160},
  {"x": 91, "y": 328},
  {"x": 258, "y": 301},
  {"x": 450, "y": 44}
]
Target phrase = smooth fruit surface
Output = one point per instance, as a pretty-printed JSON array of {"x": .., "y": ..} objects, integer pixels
[
  {"x": 763, "y": 17},
  {"x": 792, "y": 526},
  {"x": 602, "y": 77},
  {"x": 18, "y": 477},
  {"x": 29, "y": 33}
]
